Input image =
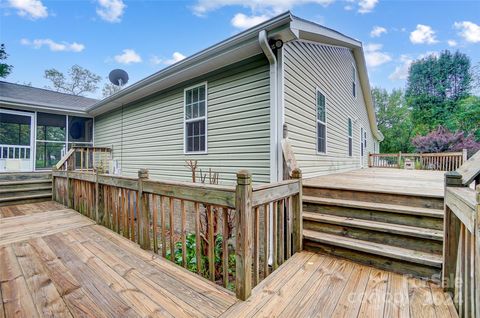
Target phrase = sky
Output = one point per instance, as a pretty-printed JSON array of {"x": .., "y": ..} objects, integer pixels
[{"x": 144, "y": 36}]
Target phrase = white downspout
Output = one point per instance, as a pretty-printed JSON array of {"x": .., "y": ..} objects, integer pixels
[{"x": 263, "y": 41}]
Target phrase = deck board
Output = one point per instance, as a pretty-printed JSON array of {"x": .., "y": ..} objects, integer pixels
[{"x": 384, "y": 180}]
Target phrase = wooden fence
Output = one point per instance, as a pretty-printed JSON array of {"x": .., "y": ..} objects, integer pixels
[
  {"x": 147, "y": 212},
  {"x": 86, "y": 159},
  {"x": 461, "y": 254},
  {"x": 442, "y": 161}
]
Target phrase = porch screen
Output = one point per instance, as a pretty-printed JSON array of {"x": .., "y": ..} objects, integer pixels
[{"x": 51, "y": 132}]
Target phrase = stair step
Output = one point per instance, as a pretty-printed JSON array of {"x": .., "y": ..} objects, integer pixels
[
  {"x": 13, "y": 183},
  {"x": 384, "y": 207},
  {"x": 43, "y": 194},
  {"x": 406, "y": 230},
  {"x": 398, "y": 253},
  {"x": 26, "y": 189}
]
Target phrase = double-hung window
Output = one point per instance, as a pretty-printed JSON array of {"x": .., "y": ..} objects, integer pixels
[
  {"x": 354, "y": 81},
  {"x": 350, "y": 138},
  {"x": 321, "y": 123},
  {"x": 196, "y": 119},
  {"x": 365, "y": 139}
]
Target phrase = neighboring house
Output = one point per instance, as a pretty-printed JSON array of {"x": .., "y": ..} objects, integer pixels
[
  {"x": 226, "y": 107},
  {"x": 37, "y": 125}
]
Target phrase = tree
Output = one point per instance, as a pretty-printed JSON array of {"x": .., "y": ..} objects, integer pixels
[
  {"x": 80, "y": 82},
  {"x": 110, "y": 89},
  {"x": 443, "y": 140},
  {"x": 5, "y": 69},
  {"x": 466, "y": 117},
  {"x": 435, "y": 85},
  {"x": 394, "y": 121}
]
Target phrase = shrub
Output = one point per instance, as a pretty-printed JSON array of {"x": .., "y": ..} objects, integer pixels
[{"x": 443, "y": 140}]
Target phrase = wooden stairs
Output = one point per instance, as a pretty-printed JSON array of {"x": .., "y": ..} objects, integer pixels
[
  {"x": 392, "y": 231},
  {"x": 25, "y": 187}
]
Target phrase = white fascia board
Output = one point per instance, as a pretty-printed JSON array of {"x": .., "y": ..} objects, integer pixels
[{"x": 41, "y": 107}]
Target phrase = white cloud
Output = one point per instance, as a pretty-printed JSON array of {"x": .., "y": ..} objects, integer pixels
[
  {"x": 111, "y": 10},
  {"x": 366, "y": 6},
  {"x": 54, "y": 46},
  {"x": 377, "y": 31},
  {"x": 401, "y": 71},
  {"x": 242, "y": 21},
  {"x": 176, "y": 57},
  {"x": 452, "y": 43},
  {"x": 33, "y": 9},
  {"x": 155, "y": 60},
  {"x": 273, "y": 7},
  {"x": 127, "y": 57},
  {"x": 423, "y": 34},
  {"x": 468, "y": 30},
  {"x": 374, "y": 56}
]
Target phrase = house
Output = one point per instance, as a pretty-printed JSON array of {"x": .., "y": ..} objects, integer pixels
[
  {"x": 38, "y": 125},
  {"x": 227, "y": 107}
]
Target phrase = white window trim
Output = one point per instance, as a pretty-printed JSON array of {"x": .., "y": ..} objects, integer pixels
[
  {"x": 354, "y": 81},
  {"x": 185, "y": 121},
  {"x": 349, "y": 136},
  {"x": 318, "y": 90}
]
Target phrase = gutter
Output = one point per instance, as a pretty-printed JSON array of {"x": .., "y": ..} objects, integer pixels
[{"x": 263, "y": 41}]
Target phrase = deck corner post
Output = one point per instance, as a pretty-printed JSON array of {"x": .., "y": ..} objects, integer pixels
[
  {"x": 54, "y": 189},
  {"x": 97, "y": 197},
  {"x": 297, "y": 213},
  {"x": 244, "y": 234},
  {"x": 143, "y": 212},
  {"x": 453, "y": 179},
  {"x": 464, "y": 155}
]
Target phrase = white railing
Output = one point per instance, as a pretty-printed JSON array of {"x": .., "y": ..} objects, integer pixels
[{"x": 15, "y": 152}]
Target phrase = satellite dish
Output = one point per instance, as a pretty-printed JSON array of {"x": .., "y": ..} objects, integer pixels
[{"x": 118, "y": 77}]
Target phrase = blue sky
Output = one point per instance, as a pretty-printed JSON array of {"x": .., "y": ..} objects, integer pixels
[{"x": 145, "y": 36}]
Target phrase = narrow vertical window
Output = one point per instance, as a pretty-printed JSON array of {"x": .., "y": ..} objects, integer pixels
[
  {"x": 196, "y": 119},
  {"x": 361, "y": 141},
  {"x": 350, "y": 138},
  {"x": 354, "y": 81},
  {"x": 365, "y": 139},
  {"x": 321, "y": 124}
]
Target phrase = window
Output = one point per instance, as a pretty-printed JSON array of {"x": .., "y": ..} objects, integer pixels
[
  {"x": 365, "y": 139},
  {"x": 321, "y": 123},
  {"x": 354, "y": 81},
  {"x": 361, "y": 141},
  {"x": 350, "y": 138},
  {"x": 196, "y": 119}
]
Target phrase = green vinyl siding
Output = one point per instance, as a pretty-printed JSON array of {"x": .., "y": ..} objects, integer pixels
[
  {"x": 309, "y": 67},
  {"x": 152, "y": 134}
]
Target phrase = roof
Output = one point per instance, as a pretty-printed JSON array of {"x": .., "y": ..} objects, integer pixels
[
  {"x": 32, "y": 97},
  {"x": 285, "y": 26}
]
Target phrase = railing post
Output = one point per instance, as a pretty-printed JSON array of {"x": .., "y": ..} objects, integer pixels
[
  {"x": 399, "y": 158},
  {"x": 297, "y": 206},
  {"x": 464, "y": 156},
  {"x": 451, "y": 235},
  {"x": 97, "y": 197},
  {"x": 69, "y": 191},
  {"x": 144, "y": 212},
  {"x": 54, "y": 189},
  {"x": 476, "y": 280},
  {"x": 244, "y": 240}
]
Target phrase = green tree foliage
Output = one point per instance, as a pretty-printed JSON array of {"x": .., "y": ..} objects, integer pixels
[
  {"x": 80, "y": 81},
  {"x": 5, "y": 69},
  {"x": 466, "y": 117},
  {"x": 394, "y": 120},
  {"x": 434, "y": 87}
]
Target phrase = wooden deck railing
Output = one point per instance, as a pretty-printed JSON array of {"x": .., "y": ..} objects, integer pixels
[
  {"x": 442, "y": 161},
  {"x": 166, "y": 216},
  {"x": 461, "y": 254},
  {"x": 86, "y": 159}
]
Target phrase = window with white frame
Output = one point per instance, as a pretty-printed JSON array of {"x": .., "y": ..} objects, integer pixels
[
  {"x": 365, "y": 139},
  {"x": 350, "y": 138},
  {"x": 361, "y": 141},
  {"x": 196, "y": 119},
  {"x": 354, "y": 81},
  {"x": 321, "y": 123}
]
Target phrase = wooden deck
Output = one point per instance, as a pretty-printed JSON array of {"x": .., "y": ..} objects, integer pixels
[
  {"x": 314, "y": 285},
  {"x": 385, "y": 180},
  {"x": 84, "y": 270}
]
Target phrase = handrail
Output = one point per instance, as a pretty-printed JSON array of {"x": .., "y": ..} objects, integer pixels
[
  {"x": 443, "y": 161},
  {"x": 85, "y": 158},
  {"x": 162, "y": 215},
  {"x": 461, "y": 250}
]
